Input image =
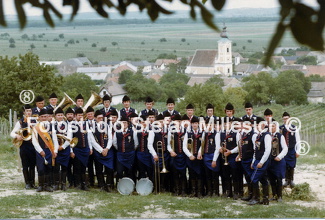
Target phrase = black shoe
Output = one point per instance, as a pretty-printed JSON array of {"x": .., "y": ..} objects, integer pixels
[
  {"x": 236, "y": 196},
  {"x": 56, "y": 187},
  {"x": 265, "y": 201},
  {"x": 247, "y": 198},
  {"x": 63, "y": 187},
  {"x": 40, "y": 189},
  {"x": 48, "y": 189},
  {"x": 253, "y": 202},
  {"x": 28, "y": 186}
]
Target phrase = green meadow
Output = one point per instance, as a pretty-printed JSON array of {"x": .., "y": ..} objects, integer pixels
[{"x": 136, "y": 41}]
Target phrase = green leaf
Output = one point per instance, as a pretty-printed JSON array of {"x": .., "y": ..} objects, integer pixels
[
  {"x": 21, "y": 13},
  {"x": 274, "y": 42},
  {"x": 208, "y": 18},
  {"x": 204, "y": 1},
  {"x": 299, "y": 25},
  {"x": 218, "y": 4},
  {"x": 56, "y": 12},
  {"x": 48, "y": 18},
  {"x": 2, "y": 16}
]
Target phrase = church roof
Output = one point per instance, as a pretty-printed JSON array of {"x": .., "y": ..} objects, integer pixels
[{"x": 204, "y": 58}]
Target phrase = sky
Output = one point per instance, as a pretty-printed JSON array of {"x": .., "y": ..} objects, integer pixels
[{"x": 9, "y": 7}]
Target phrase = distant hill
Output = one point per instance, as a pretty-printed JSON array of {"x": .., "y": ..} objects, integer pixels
[{"x": 230, "y": 13}]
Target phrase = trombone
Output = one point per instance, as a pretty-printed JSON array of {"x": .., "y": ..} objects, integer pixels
[
  {"x": 61, "y": 138},
  {"x": 224, "y": 149},
  {"x": 157, "y": 169}
]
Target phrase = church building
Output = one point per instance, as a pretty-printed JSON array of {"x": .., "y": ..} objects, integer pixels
[{"x": 213, "y": 62}]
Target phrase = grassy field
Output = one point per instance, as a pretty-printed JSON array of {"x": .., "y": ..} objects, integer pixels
[{"x": 136, "y": 41}]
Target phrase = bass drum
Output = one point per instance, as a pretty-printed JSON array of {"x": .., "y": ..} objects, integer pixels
[
  {"x": 144, "y": 187},
  {"x": 125, "y": 186}
]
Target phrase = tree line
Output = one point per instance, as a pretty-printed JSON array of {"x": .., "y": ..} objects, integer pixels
[{"x": 26, "y": 73}]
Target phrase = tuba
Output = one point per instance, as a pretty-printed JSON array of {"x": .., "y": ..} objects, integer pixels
[
  {"x": 93, "y": 101},
  {"x": 65, "y": 103},
  {"x": 275, "y": 151},
  {"x": 26, "y": 134},
  {"x": 61, "y": 139}
]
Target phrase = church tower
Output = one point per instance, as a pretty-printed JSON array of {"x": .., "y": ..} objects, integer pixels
[{"x": 223, "y": 63}]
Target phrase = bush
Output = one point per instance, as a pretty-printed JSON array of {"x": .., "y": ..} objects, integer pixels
[
  {"x": 142, "y": 42},
  {"x": 94, "y": 45},
  {"x": 183, "y": 40},
  {"x": 81, "y": 55},
  {"x": 302, "y": 192},
  {"x": 249, "y": 41},
  {"x": 32, "y": 46},
  {"x": 234, "y": 44},
  {"x": 12, "y": 46},
  {"x": 56, "y": 39},
  {"x": 163, "y": 40},
  {"x": 66, "y": 45},
  {"x": 45, "y": 46},
  {"x": 77, "y": 42},
  {"x": 71, "y": 41},
  {"x": 103, "y": 49},
  {"x": 61, "y": 36},
  {"x": 114, "y": 43}
]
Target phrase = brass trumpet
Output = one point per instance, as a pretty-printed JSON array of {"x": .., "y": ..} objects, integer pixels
[
  {"x": 224, "y": 149},
  {"x": 26, "y": 135},
  {"x": 73, "y": 142},
  {"x": 190, "y": 146},
  {"x": 172, "y": 142},
  {"x": 275, "y": 147},
  {"x": 240, "y": 144},
  {"x": 202, "y": 146}
]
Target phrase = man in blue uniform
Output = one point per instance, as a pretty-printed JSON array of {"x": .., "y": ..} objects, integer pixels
[
  {"x": 125, "y": 141},
  {"x": 262, "y": 147},
  {"x": 276, "y": 170},
  {"x": 170, "y": 103},
  {"x": 127, "y": 110},
  {"x": 46, "y": 145},
  {"x": 26, "y": 150},
  {"x": 79, "y": 102},
  {"x": 175, "y": 147},
  {"x": 107, "y": 109},
  {"x": 292, "y": 138},
  {"x": 190, "y": 111},
  {"x": 209, "y": 150},
  {"x": 249, "y": 113},
  {"x": 63, "y": 155},
  {"x": 104, "y": 156},
  {"x": 149, "y": 107},
  {"x": 80, "y": 153},
  {"x": 53, "y": 99},
  {"x": 39, "y": 102},
  {"x": 191, "y": 145}
]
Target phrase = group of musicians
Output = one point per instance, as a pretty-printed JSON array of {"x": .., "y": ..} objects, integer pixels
[{"x": 183, "y": 154}]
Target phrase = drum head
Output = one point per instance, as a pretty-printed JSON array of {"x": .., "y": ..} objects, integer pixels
[
  {"x": 144, "y": 187},
  {"x": 125, "y": 186}
]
